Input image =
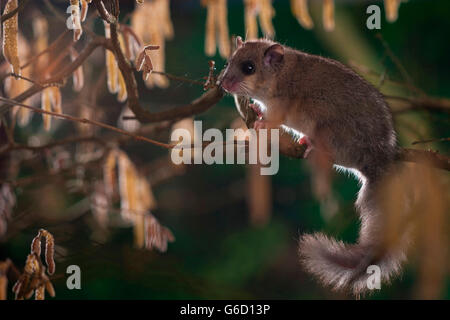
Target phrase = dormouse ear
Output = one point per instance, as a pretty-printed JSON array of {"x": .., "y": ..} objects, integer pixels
[
  {"x": 274, "y": 55},
  {"x": 239, "y": 42}
]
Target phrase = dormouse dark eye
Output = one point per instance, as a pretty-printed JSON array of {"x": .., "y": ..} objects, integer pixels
[{"x": 248, "y": 67}]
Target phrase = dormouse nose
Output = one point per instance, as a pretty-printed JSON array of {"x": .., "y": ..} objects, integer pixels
[{"x": 228, "y": 82}]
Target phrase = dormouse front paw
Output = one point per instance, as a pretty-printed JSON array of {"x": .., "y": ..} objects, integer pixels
[
  {"x": 260, "y": 124},
  {"x": 256, "y": 108},
  {"x": 306, "y": 141}
]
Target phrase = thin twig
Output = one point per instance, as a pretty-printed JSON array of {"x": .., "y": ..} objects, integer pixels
[
  {"x": 55, "y": 12},
  {"x": 53, "y": 144},
  {"x": 431, "y": 140},
  {"x": 435, "y": 104},
  {"x": 424, "y": 157},
  {"x": 84, "y": 120},
  {"x": 361, "y": 69},
  {"x": 53, "y": 45},
  {"x": 179, "y": 78},
  {"x": 56, "y": 61},
  {"x": 11, "y": 74},
  {"x": 399, "y": 65}
]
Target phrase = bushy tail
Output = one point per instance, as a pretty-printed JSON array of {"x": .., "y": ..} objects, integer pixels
[{"x": 344, "y": 266}]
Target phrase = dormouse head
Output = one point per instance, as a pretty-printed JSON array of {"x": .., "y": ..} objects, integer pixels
[{"x": 252, "y": 68}]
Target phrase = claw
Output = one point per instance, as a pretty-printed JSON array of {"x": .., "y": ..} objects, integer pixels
[
  {"x": 257, "y": 110},
  {"x": 306, "y": 141}
]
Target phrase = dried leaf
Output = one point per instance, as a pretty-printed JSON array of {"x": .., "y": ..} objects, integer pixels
[
  {"x": 139, "y": 62},
  {"x": 158, "y": 58},
  {"x": 36, "y": 245},
  {"x": 143, "y": 61},
  {"x": 151, "y": 23},
  {"x": 156, "y": 235},
  {"x": 148, "y": 68},
  {"x": 32, "y": 280},
  {"x": 49, "y": 252},
  {"x": 49, "y": 248}
]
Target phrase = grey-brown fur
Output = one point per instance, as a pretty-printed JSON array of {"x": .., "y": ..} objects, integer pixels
[{"x": 343, "y": 115}]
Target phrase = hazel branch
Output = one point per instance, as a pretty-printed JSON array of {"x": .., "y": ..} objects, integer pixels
[
  {"x": 203, "y": 103},
  {"x": 11, "y": 14},
  {"x": 104, "y": 14},
  {"x": 431, "y": 140}
]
